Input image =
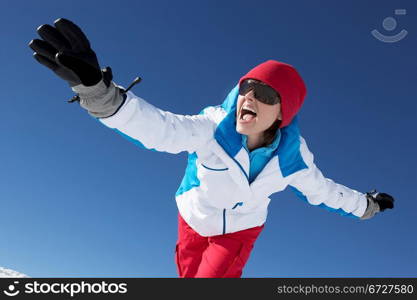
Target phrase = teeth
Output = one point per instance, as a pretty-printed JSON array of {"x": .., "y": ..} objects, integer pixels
[{"x": 250, "y": 109}]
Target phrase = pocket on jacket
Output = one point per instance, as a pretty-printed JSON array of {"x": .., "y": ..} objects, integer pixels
[
  {"x": 213, "y": 163},
  {"x": 218, "y": 168},
  {"x": 216, "y": 184}
]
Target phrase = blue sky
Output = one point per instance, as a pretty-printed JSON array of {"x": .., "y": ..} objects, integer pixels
[{"x": 78, "y": 200}]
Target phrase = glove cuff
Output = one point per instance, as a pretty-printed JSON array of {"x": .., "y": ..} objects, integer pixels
[
  {"x": 100, "y": 100},
  {"x": 371, "y": 210}
]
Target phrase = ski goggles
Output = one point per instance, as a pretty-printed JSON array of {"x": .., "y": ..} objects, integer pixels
[{"x": 262, "y": 92}]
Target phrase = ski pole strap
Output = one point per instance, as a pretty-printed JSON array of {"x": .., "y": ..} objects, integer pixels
[{"x": 136, "y": 81}]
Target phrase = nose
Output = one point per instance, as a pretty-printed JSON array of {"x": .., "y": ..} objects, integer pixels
[{"x": 250, "y": 96}]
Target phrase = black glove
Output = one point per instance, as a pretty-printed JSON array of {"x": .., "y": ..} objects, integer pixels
[
  {"x": 377, "y": 202},
  {"x": 67, "y": 52},
  {"x": 384, "y": 200}
]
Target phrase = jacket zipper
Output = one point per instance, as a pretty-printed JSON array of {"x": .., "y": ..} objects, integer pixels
[{"x": 238, "y": 204}]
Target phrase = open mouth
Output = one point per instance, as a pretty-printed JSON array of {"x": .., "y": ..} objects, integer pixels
[{"x": 247, "y": 115}]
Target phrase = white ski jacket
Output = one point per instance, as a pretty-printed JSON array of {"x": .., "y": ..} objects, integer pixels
[{"x": 215, "y": 196}]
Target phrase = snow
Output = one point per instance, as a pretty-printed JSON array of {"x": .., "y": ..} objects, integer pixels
[{"x": 7, "y": 273}]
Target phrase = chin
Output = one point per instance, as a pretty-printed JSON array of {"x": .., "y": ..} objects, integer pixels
[
  {"x": 240, "y": 130},
  {"x": 243, "y": 130}
]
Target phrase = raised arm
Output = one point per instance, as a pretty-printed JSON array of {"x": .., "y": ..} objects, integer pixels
[{"x": 65, "y": 49}]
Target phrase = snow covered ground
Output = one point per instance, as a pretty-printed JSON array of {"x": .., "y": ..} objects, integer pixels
[{"x": 5, "y": 273}]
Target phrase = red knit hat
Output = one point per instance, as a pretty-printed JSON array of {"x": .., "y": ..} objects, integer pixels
[{"x": 285, "y": 79}]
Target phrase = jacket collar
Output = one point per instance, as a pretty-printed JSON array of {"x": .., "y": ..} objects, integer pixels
[{"x": 266, "y": 150}]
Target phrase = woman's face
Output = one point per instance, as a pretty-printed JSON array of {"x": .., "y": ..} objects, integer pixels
[{"x": 261, "y": 118}]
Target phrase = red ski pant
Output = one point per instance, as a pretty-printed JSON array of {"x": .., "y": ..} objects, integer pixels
[{"x": 215, "y": 256}]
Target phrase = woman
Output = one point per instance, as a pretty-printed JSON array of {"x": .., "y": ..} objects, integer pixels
[{"x": 240, "y": 152}]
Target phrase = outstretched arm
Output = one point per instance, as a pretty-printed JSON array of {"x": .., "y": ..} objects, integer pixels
[
  {"x": 153, "y": 128},
  {"x": 310, "y": 185},
  {"x": 65, "y": 49}
]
